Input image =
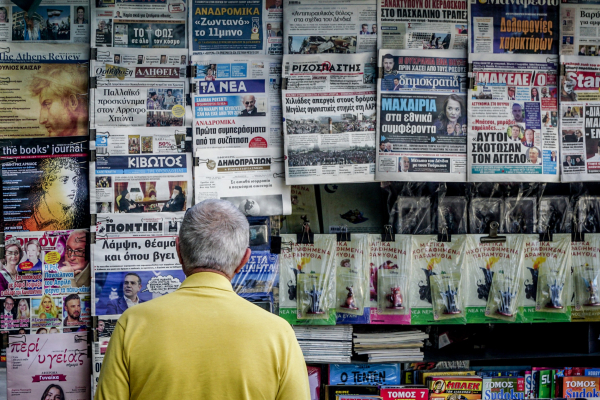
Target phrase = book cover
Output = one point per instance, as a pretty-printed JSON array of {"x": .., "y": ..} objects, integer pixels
[
  {"x": 452, "y": 387},
  {"x": 580, "y": 386},
  {"x": 504, "y": 388}
]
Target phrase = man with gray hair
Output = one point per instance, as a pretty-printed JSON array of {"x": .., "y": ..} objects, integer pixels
[{"x": 203, "y": 341}]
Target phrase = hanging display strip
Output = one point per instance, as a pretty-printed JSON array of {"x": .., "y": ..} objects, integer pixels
[
  {"x": 316, "y": 26},
  {"x": 237, "y": 102},
  {"x": 422, "y": 116},
  {"x": 253, "y": 181},
  {"x": 138, "y": 24},
  {"x": 579, "y": 119},
  {"x": 511, "y": 133},
  {"x": 34, "y": 75},
  {"x": 524, "y": 27},
  {"x": 329, "y": 118},
  {"x": 55, "y": 21},
  {"x": 134, "y": 260},
  {"x": 235, "y": 27},
  {"x": 422, "y": 24}
]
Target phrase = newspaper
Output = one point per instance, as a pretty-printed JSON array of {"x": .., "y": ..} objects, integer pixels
[
  {"x": 580, "y": 119},
  {"x": 141, "y": 183},
  {"x": 134, "y": 260},
  {"x": 138, "y": 56},
  {"x": 103, "y": 331},
  {"x": 512, "y": 125},
  {"x": 236, "y": 27},
  {"x": 137, "y": 96},
  {"x": 137, "y": 24},
  {"x": 44, "y": 184},
  {"x": 48, "y": 367},
  {"x": 422, "y": 114},
  {"x": 329, "y": 113},
  {"x": 422, "y": 24},
  {"x": 123, "y": 141},
  {"x": 519, "y": 27},
  {"x": 237, "y": 101},
  {"x": 254, "y": 181},
  {"x": 32, "y": 75},
  {"x": 333, "y": 26},
  {"x": 579, "y": 28},
  {"x": 54, "y": 21}
]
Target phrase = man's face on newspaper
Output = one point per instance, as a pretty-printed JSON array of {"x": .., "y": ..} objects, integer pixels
[
  {"x": 533, "y": 155},
  {"x": 388, "y": 65},
  {"x": 80, "y": 15},
  {"x": 9, "y": 304},
  {"x": 529, "y": 136},
  {"x": 56, "y": 113},
  {"x": 249, "y": 102},
  {"x": 517, "y": 112},
  {"x": 131, "y": 286},
  {"x": 75, "y": 251},
  {"x": 2, "y": 15},
  {"x": 405, "y": 164}
]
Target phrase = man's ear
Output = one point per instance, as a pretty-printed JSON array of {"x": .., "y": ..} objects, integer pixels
[
  {"x": 73, "y": 102},
  {"x": 178, "y": 252},
  {"x": 244, "y": 261}
]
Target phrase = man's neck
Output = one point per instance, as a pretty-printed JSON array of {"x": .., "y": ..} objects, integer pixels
[
  {"x": 135, "y": 299},
  {"x": 71, "y": 319},
  {"x": 214, "y": 271}
]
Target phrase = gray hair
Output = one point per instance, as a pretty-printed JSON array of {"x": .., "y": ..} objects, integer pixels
[{"x": 214, "y": 234}]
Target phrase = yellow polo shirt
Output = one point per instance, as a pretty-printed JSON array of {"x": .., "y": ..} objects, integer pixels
[{"x": 202, "y": 342}]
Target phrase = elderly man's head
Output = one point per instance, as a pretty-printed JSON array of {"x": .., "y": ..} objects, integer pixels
[
  {"x": 214, "y": 235},
  {"x": 249, "y": 102}
]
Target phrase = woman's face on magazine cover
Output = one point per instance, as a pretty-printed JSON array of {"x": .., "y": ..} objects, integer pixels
[
  {"x": 47, "y": 304},
  {"x": 453, "y": 110},
  {"x": 22, "y": 306},
  {"x": 64, "y": 188},
  {"x": 53, "y": 394},
  {"x": 12, "y": 256}
]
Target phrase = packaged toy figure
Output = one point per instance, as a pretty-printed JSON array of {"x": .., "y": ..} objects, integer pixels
[
  {"x": 389, "y": 279},
  {"x": 351, "y": 269},
  {"x": 489, "y": 295},
  {"x": 452, "y": 215},
  {"x": 483, "y": 212},
  {"x": 555, "y": 215},
  {"x": 589, "y": 214},
  {"x": 520, "y": 215},
  {"x": 413, "y": 215},
  {"x": 586, "y": 278},
  {"x": 438, "y": 282}
]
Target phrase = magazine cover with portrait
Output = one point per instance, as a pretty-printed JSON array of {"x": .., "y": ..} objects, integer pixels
[
  {"x": 33, "y": 370},
  {"x": 45, "y": 184}
]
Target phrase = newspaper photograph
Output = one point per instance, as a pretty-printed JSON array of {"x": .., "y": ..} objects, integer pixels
[
  {"x": 580, "y": 119},
  {"x": 423, "y": 24},
  {"x": 141, "y": 183},
  {"x": 48, "y": 367},
  {"x": 137, "y": 96},
  {"x": 520, "y": 27},
  {"x": 36, "y": 75},
  {"x": 340, "y": 26},
  {"x": 135, "y": 260},
  {"x": 44, "y": 184},
  {"x": 329, "y": 118},
  {"x": 512, "y": 120},
  {"x": 254, "y": 181},
  {"x": 123, "y": 141},
  {"x": 233, "y": 27},
  {"x": 236, "y": 102},
  {"x": 135, "y": 24},
  {"x": 579, "y": 28},
  {"x": 55, "y": 21},
  {"x": 422, "y": 116},
  {"x": 140, "y": 56},
  {"x": 102, "y": 331}
]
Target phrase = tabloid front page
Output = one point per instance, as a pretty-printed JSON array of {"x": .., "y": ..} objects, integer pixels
[
  {"x": 329, "y": 118},
  {"x": 235, "y": 27},
  {"x": 254, "y": 183},
  {"x": 237, "y": 102},
  {"x": 422, "y": 114},
  {"x": 580, "y": 119},
  {"x": 141, "y": 183},
  {"x": 512, "y": 120},
  {"x": 35, "y": 74},
  {"x": 54, "y": 21},
  {"x": 134, "y": 260},
  {"x": 422, "y": 24},
  {"x": 137, "y": 96},
  {"x": 579, "y": 23},
  {"x": 514, "y": 27},
  {"x": 44, "y": 184},
  {"x": 137, "y": 24}
]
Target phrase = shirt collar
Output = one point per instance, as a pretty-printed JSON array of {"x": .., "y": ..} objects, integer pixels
[{"x": 207, "y": 279}]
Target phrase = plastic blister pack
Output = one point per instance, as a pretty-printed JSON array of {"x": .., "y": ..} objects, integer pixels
[
  {"x": 555, "y": 215},
  {"x": 589, "y": 214},
  {"x": 553, "y": 263},
  {"x": 351, "y": 282},
  {"x": 447, "y": 297},
  {"x": 452, "y": 215},
  {"x": 414, "y": 215},
  {"x": 392, "y": 290},
  {"x": 483, "y": 212},
  {"x": 520, "y": 215}
]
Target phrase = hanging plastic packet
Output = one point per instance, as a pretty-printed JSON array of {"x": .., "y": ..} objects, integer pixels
[
  {"x": 484, "y": 261},
  {"x": 315, "y": 291},
  {"x": 547, "y": 280},
  {"x": 389, "y": 279},
  {"x": 289, "y": 271},
  {"x": 586, "y": 278},
  {"x": 352, "y": 287},
  {"x": 439, "y": 295}
]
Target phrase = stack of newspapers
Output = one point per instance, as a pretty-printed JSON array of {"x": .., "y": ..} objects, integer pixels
[
  {"x": 325, "y": 344},
  {"x": 390, "y": 346}
]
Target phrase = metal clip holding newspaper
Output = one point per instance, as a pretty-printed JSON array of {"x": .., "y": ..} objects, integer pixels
[{"x": 493, "y": 237}]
